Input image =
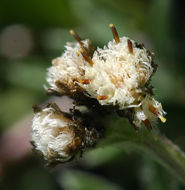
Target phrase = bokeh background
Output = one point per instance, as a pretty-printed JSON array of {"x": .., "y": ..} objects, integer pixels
[{"x": 32, "y": 33}]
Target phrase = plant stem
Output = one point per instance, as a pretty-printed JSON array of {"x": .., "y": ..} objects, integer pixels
[{"x": 119, "y": 131}]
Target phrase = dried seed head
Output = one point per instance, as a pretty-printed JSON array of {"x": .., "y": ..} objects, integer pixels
[{"x": 57, "y": 137}]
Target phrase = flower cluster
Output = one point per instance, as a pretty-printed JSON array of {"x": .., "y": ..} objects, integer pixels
[
  {"x": 115, "y": 76},
  {"x": 58, "y": 136}
]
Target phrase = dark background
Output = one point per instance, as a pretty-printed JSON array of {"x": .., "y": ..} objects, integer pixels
[{"x": 32, "y": 33}]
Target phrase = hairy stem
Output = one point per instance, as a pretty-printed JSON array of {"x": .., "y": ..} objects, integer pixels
[{"x": 119, "y": 131}]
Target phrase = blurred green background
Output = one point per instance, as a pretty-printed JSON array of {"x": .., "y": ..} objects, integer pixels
[{"x": 32, "y": 33}]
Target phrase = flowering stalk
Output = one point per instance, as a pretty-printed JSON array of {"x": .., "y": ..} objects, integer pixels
[{"x": 108, "y": 80}]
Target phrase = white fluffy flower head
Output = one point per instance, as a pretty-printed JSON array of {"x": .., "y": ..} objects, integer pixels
[
  {"x": 55, "y": 135},
  {"x": 117, "y": 75},
  {"x": 68, "y": 69}
]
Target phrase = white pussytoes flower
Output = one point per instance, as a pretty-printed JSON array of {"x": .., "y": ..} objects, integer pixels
[
  {"x": 117, "y": 75},
  {"x": 57, "y": 137}
]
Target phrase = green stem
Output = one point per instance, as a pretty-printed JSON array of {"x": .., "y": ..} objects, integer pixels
[
  {"x": 169, "y": 155},
  {"x": 118, "y": 131}
]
